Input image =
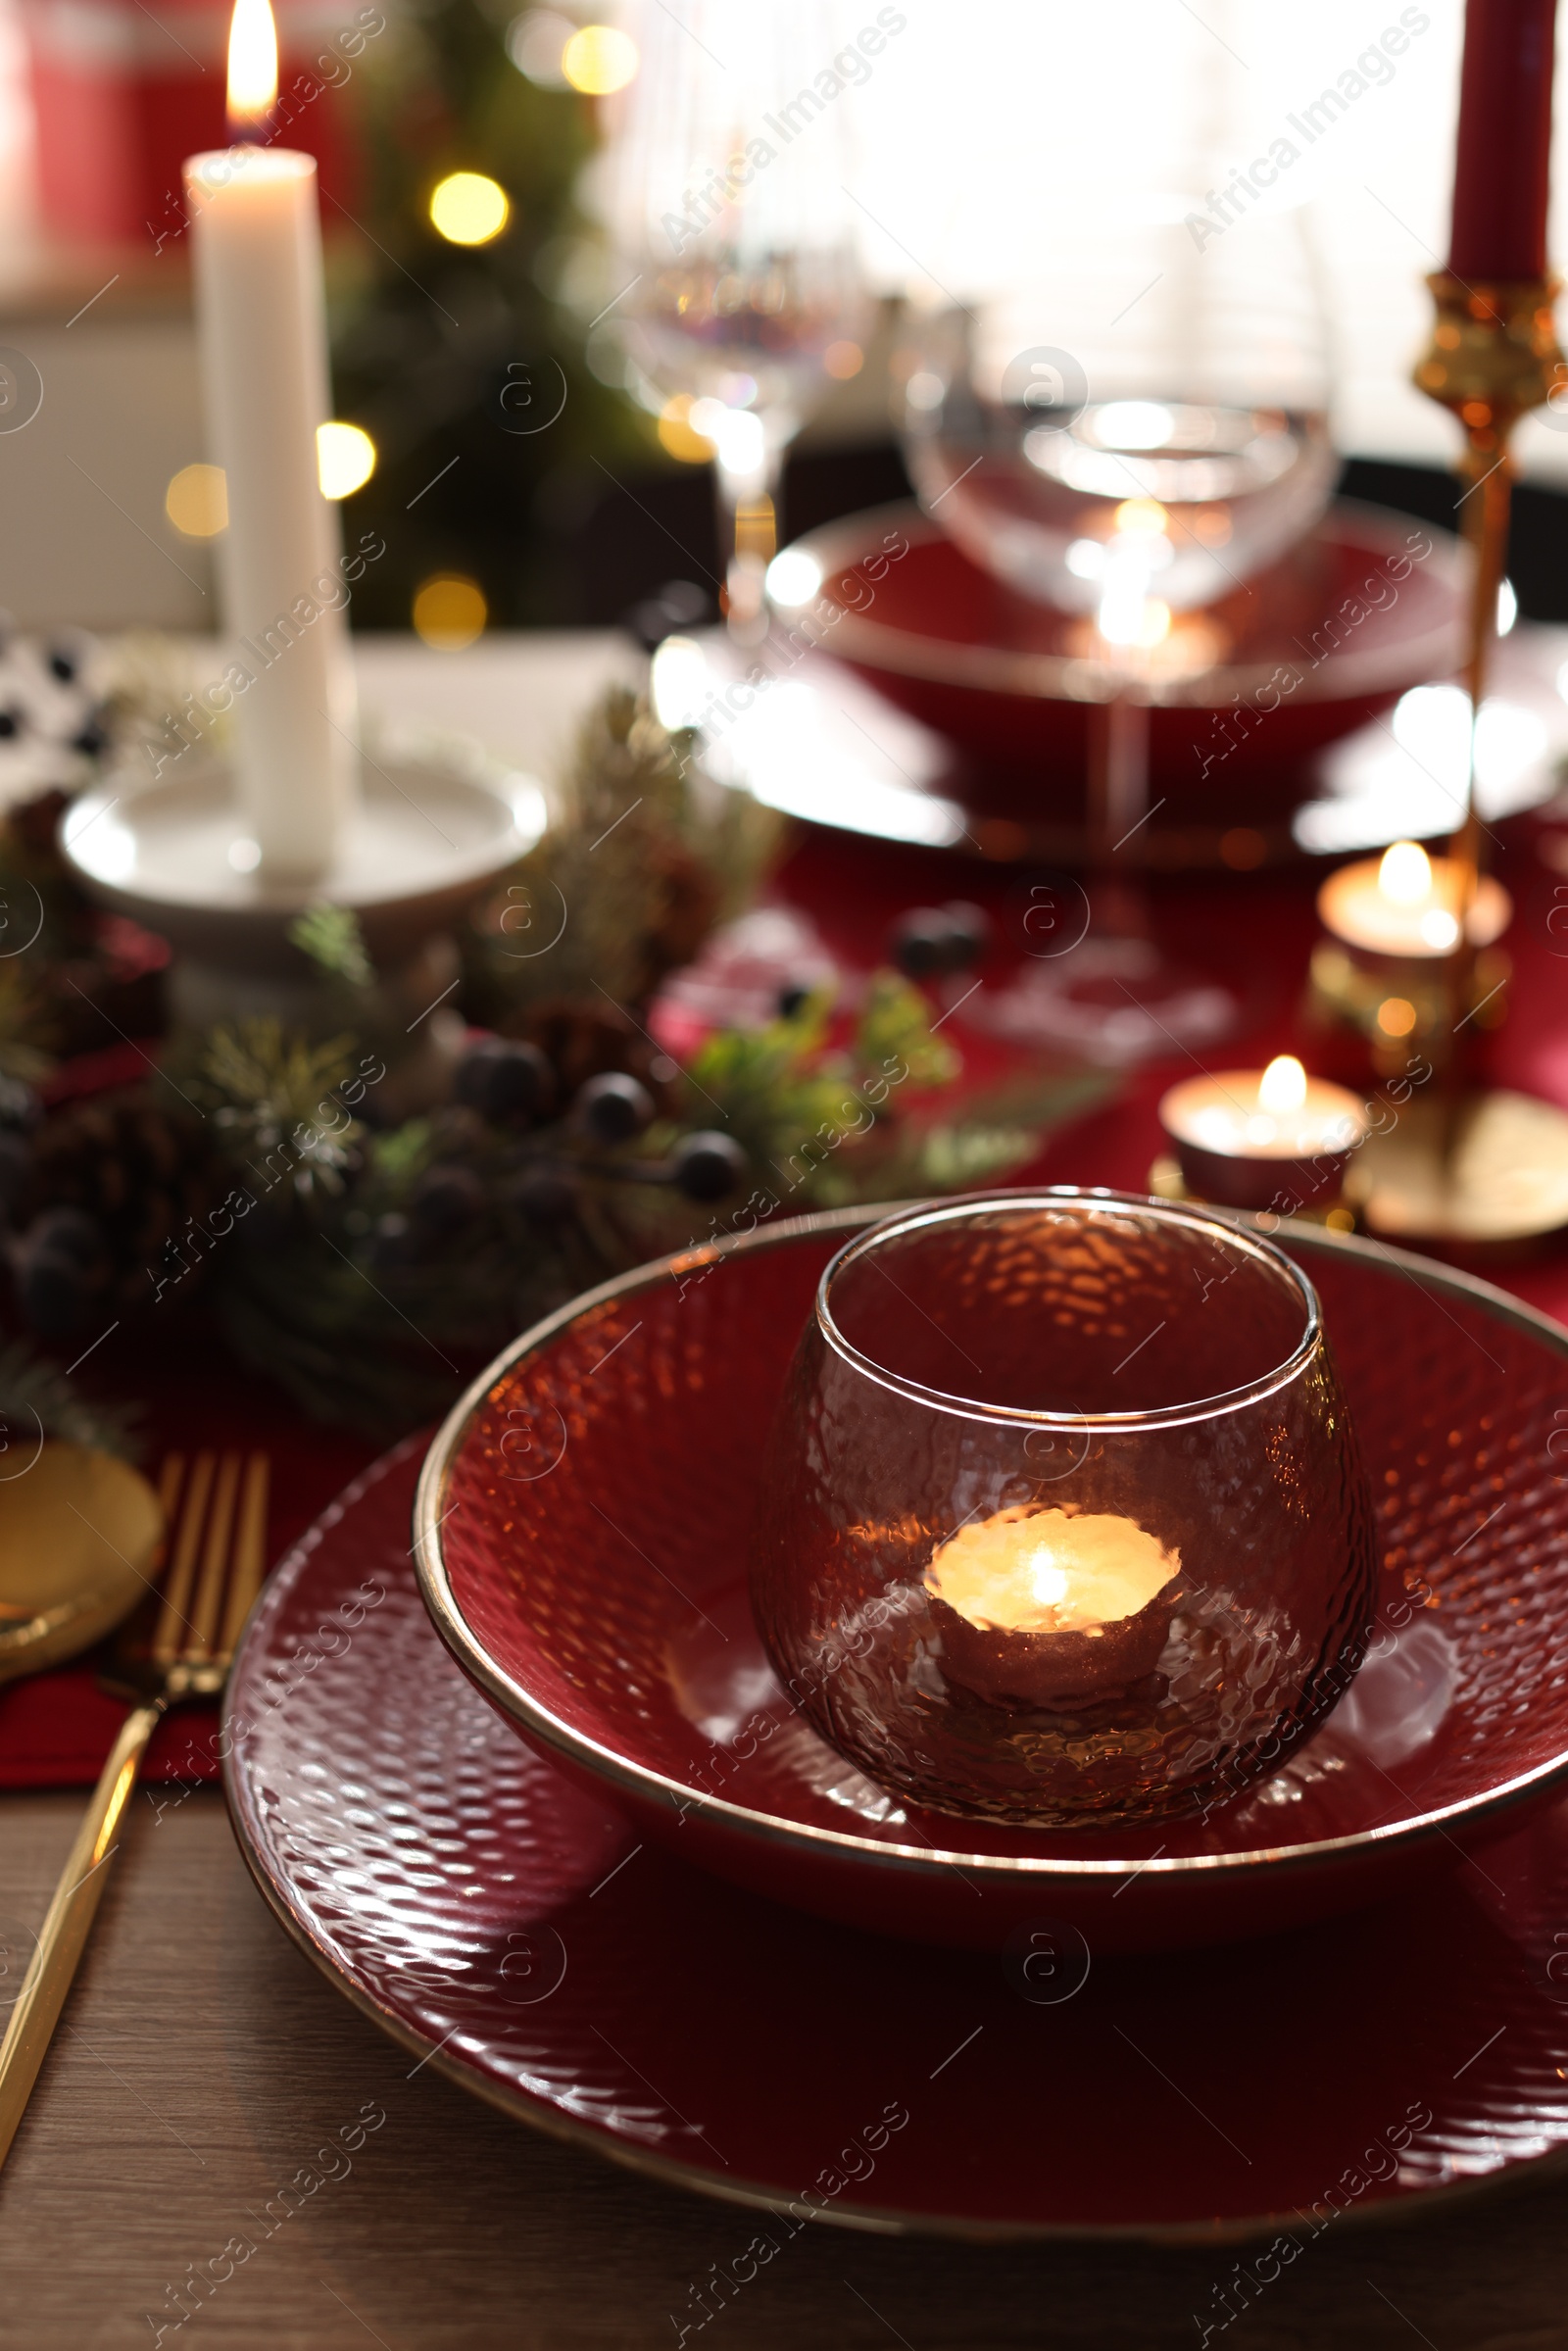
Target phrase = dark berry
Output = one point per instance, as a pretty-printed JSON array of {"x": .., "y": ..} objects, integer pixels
[
  {"x": 923, "y": 943},
  {"x": 544, "y": 1195},
  {"x": 706, "y": 1166},
  {"x": 613, "y": 1107},
  {"x": 445, "y": 1202},
  {"x": 506, "y": 1081},
  {"x": 60, "y": 1264},
  {"x": 55, "y": 1294},
  {"x": 793, "y": 998},
  {"x": 970, "y": 931}
]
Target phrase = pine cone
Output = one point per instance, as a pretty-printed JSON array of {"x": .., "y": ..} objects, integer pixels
[
  {"x": 142, "y": 1173},
  {"x": 690, "y": 898}
]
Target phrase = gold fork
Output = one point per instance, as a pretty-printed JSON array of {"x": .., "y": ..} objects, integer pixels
[{"x": 177, "y": 1646}]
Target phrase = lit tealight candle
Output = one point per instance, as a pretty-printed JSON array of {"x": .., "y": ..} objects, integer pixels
[
  {"x": 1406, "y": 905},
  {"x": 1046, "y": 1607},
  {"x": 1246, "y": 1136}
]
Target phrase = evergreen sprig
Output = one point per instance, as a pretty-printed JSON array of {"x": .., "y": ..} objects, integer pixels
[{"x": 271, "y": 1092}]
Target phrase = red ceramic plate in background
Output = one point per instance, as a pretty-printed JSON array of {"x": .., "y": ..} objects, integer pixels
[
  {"x": 584, "y": 1526},
  {"x": 516, "y": 1935},
  {"x": 995, "y": 673}
]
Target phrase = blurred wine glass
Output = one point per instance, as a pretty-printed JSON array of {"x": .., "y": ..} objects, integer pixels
[
  {"x": 744, "y": 293},
  {"x": 1128, "y": 435}
]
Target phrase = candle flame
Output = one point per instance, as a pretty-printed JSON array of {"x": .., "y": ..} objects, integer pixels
[
  {"x": 1050, "y": 1580},
  {"x": 1406, "y": 874},
  {"x": 252, "y": 63},
  {"x": 1282, "y": 1085}
]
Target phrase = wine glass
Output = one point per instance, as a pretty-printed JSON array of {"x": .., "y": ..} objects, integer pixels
[
  {"x": 743, "y": 290},
  {"x": 1062, "y": 1519},
  {"x": 1129, "y": 434}
]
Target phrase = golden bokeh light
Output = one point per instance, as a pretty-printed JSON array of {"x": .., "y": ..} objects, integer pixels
[
  {"x": 843, "y": 360},
  {"x": 1397, "y": 1016},
  {"x": 678, "y": 434},
  {"x": 196, "y": 501},
  {"x": 345, "y": 459},
  {"x": 450, "y": 612},
  {"x": 599, "y": 60},
  {"x": 468, "y": 208}
]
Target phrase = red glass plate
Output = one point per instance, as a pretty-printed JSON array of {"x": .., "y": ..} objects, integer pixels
[
  {"x": 585, "y": 1516},
  {"x": 997, "y": 673},
  {"x": 519, "y": 1937}
]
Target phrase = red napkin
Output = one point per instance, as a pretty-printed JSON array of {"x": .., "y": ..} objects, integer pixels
[{"x": 57, "y": 1727}]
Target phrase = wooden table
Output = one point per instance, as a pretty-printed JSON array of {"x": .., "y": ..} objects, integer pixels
[{"x": 203, "y": 2060}]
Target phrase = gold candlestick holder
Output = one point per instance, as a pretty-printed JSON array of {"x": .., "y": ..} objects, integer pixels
[{"x": 1466, "y": 1166}]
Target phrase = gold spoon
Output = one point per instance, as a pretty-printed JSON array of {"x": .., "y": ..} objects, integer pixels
[{"x": 80, "y": 1534}]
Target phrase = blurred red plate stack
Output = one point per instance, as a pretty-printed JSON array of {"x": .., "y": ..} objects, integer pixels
[{"x": 1368, "y": 605}]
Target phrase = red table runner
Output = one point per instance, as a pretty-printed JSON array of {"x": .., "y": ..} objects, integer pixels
[{"x": 1255, "y": 934}]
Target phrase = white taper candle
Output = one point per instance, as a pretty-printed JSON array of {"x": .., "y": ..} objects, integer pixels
[{"x": 261, "y": 311}]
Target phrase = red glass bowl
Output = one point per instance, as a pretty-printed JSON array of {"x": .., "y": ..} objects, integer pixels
[
  {"x": 582, "y": 1528},
  {"x": 997, "y": 673}
]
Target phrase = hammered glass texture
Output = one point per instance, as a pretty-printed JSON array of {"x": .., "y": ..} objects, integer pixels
[
  {"x": 514, "y": 1933},
  {"x": 1065, "y": 1306},
  {"x": 604, "y": 1570}
]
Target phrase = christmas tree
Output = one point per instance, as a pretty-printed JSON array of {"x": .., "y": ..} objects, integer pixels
[{"x": 468, "y": 377}]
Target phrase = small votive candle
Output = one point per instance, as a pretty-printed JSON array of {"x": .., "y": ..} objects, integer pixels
[
  {"x": 1045, "y": 1607},
  {"x": 1405, "y": 905},
  {"x": 1246, "y": 1136},
  {"x": 1385, "y": 966}
]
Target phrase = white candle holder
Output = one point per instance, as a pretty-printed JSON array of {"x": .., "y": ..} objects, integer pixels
[{"x": 435, "y": 826}]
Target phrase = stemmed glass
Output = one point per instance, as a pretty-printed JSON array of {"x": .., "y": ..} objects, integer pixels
[
  {"x": 1062, "y": 1519},
  {"x": 1128, "y": 435},
  {"x": 727, "y": 212}
]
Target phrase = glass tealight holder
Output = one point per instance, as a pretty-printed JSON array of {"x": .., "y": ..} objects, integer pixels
[{"x": 1064, "y": 1520}]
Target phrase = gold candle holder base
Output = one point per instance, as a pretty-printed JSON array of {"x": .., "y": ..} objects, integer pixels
[{"x": 1489, "y": 1176}]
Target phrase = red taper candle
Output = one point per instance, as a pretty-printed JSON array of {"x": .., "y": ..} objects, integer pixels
[
  {"x": 1505, "y": 139},
  {"x": 1502, "y": 168}
]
